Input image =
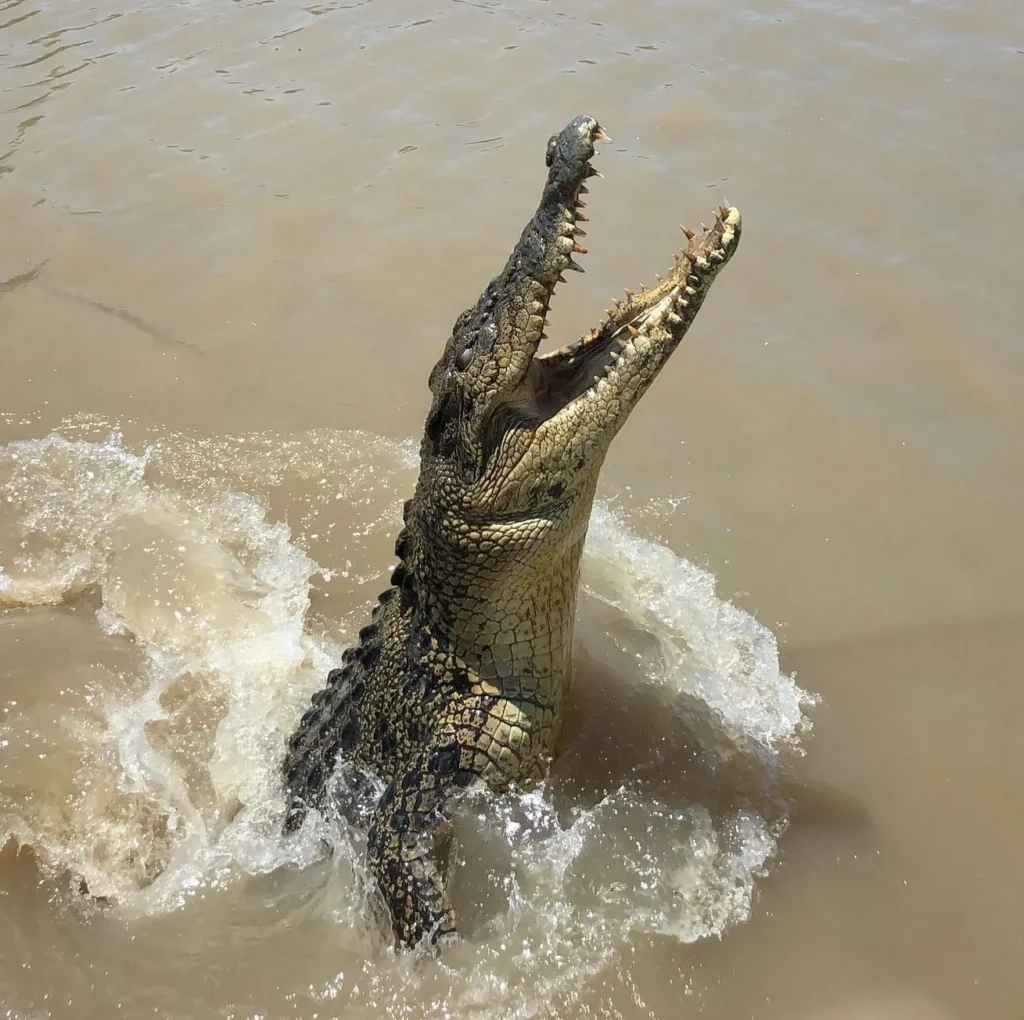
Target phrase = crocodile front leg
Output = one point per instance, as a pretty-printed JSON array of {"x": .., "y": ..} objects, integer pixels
[
  {"x": 401, "y": 847},
  {"x": 484, "y": 738}
]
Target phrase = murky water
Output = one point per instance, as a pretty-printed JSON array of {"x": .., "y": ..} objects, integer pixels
[{"x": 235, "y": 238}]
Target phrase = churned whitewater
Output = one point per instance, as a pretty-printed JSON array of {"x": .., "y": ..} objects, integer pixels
[{"x": 213, "y": 610}]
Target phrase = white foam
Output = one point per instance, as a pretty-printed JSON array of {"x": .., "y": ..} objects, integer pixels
[
  {"x": 176, "y": 768},
  {"x": 720, "y": 662}
]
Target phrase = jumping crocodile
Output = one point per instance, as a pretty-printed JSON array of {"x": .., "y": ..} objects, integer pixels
[{"x": 463, "y": 671}]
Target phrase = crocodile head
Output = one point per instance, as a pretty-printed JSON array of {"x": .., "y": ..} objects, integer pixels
[
  {"x": 515, "y": 440},
  {"x": 514, "y": 431}
]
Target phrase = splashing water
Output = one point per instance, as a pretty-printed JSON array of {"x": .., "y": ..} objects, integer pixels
[{"x": 216, "y": 625}]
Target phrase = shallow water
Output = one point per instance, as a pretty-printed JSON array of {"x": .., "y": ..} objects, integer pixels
[{"x": 237, "y": 236}]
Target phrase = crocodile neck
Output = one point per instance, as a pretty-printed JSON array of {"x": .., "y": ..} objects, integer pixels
[{"x": 501, "y": 597}]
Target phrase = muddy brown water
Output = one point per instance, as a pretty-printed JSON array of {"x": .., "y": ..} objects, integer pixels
[{"x": 235, "y": 236}]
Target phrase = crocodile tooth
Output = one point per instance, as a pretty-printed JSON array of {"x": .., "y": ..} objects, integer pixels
[
  {"x": 693, "y": 280},
  {"x": 584, "y": 190},
  {"x": 581, "y": 248},
  {"x": 614, "y": 355},
  {"x": 575, "y": 267},
  {"x": 582, "y": 216},
  {"x": 600, "y": 136},
  {"x": 687, "y": 231},
  {"x": 561, "y": 277},
  {"x": 633, "y": 331},
  {"x": 580, "y": 232},
  {"x": 594, "y": 172},
  {"x": 629, "y": 293}
]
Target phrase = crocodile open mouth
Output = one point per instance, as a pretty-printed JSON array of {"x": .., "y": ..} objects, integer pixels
[{"x": 643, "y": 327}]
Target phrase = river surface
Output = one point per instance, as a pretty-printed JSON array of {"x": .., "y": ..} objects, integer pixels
[{"x": 235, "y": 237}]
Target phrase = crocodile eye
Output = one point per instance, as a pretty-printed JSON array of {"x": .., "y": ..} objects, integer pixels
[{"x": 465, "y": 357}]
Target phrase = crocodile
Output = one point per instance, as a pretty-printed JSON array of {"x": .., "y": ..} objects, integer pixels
[{"x": 461, "y": 675}]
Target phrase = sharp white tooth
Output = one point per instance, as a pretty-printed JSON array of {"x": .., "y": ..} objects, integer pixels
[{"x": 614, "y": 355}]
